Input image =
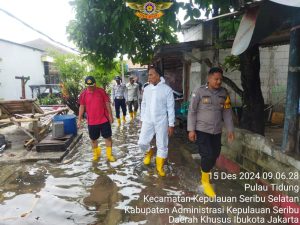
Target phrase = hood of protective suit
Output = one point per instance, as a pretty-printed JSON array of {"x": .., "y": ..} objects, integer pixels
[
  {"x": 158, "y": 104},
  {"x": 161, "y": 82}
]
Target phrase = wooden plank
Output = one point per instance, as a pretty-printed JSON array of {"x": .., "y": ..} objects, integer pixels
[
  {"x": 51, "y": 112},
  {"x": 49, "y": 144},
  {"x": 37, "y": 108},
  {"x": 17, "y": 101},
  {"x": 20, "y": 106}
]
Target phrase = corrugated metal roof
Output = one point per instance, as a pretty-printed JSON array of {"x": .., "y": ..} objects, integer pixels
[
  {"x": 293, "y": 3},
  {"x": 260, "y": 22}
]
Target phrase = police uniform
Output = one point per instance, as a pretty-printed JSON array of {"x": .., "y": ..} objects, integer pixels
[
  {"x": 208, "y": 110},
  {"x": 119, "y": 97}
]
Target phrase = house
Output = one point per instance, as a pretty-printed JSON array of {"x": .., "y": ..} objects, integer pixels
[
  {"x": 28, "y": 64},
  {"x": 191, "y": 59},
  {"x": 19, "y": 60}
]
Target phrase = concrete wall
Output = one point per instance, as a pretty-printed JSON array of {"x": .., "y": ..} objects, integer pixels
[
  {"x": 18, "y": 60},
  {"x": 255, "y": 153},
  {"x": 199, "y": 71},
  {"x": 273, "y": 74}
]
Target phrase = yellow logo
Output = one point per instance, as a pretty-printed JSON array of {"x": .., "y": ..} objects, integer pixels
[
  {"x": 149, "y": 10},
  {"x": 89, "y": 81}
]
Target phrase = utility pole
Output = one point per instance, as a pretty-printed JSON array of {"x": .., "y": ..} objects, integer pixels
[
  {"x": 23, "y": 82},
  {"x": 122, "y": 71}
]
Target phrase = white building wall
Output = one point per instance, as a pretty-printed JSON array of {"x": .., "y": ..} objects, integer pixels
[
  {"x": 17, "y": 60},
  {"x": 273, "y": 72},
  {"x": 199, "y": 70},
  {"x": 195, "y": 76}
]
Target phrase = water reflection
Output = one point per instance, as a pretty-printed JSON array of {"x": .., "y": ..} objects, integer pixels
[{"x": 78, "y": 191}]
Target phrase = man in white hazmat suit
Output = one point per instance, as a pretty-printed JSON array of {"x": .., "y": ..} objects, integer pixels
[{"x": 158, "y": 117}]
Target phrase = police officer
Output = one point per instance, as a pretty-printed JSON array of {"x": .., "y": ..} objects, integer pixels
[
  {"x": 119, "y": 99},
  {"x": 209, "y": 107}
]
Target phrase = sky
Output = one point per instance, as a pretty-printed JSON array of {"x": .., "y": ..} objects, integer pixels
[{"x": 48, "y": 16}]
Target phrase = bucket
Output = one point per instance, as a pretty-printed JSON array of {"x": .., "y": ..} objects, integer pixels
[
  {"x": 58, "y": 129},
  {"x": 70, "y": 126}
]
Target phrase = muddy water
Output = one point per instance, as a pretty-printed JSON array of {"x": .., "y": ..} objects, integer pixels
[{"x": 78, "y": 191}]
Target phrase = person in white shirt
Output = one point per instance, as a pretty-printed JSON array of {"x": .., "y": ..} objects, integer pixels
[
  {"x": 119, "y": 99},
  {"x": 158, "y": 118},
  {"x": 132, "y": 97}
]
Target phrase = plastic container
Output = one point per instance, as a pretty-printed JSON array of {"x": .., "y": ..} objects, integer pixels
[
  {"x": 184, "y": 108},
  {"x": 58, "y": 130},
  {"x": 70, "y": 126}
]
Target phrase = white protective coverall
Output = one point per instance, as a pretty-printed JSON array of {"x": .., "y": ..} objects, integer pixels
[{"x": 157, "y": 114}]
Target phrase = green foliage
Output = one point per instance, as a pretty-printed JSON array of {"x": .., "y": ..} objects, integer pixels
[
  {"x": 231, "y": 63},
  {"x": 228, "y": 28},
  {"x": 50, "y": 100},
  {"x": 103, "y": 76},
  {"x": 104, "y": 29},
  {"x": 72, "y": 70}
]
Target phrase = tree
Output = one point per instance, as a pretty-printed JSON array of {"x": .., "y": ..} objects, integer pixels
[
  {"x": 103, "y": 75},
  {"x": 72, "y": 70},
  {"x": 104, "y": 29},
  {"x": 253, "y": 101}
]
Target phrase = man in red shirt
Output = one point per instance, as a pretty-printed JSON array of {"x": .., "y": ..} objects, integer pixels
[{"x": 95, "y": 102}]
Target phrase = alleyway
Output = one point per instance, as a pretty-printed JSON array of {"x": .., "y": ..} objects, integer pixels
[{"x": 80, "y": 192}]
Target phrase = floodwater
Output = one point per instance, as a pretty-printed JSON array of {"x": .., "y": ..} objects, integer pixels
[{"x": 78, "y": 191}]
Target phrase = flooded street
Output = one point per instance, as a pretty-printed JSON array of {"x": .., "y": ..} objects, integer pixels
[{"x": 125, "y": 192}]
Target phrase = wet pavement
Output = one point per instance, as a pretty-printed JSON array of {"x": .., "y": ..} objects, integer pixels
[{"x": 125, "y": 192}]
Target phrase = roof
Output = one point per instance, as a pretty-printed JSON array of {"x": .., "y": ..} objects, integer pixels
[
  {"x": 22, "y": 45},
  {"x": 191, "y": 23},
  {"x": 177, "y": 48},
  {"x": 172, "y": 54},
  {"x": 45, "y": 46},
  {"x": 270, "y": 21}
]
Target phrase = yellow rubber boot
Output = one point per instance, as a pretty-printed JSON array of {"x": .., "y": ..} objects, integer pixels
[
  {"x": 131, "y": 116},
  {"x": 134, "y": 114},
  {"x": 109, "y": 155},
  {"x": 160, "y": 166},
  {"x": 208, "y": 189},
  {"x": 124, "y": 119},
  {"x": 96, "y": 153},
  {"x": 148, "y": 155},
  {"x": 119, "y": 121}
]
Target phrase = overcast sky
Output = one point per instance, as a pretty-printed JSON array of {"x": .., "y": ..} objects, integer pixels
[{"x": 48, "y": 16}]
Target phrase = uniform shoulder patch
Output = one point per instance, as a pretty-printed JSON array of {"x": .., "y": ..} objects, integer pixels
[{"x": 227, "y": 104}]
